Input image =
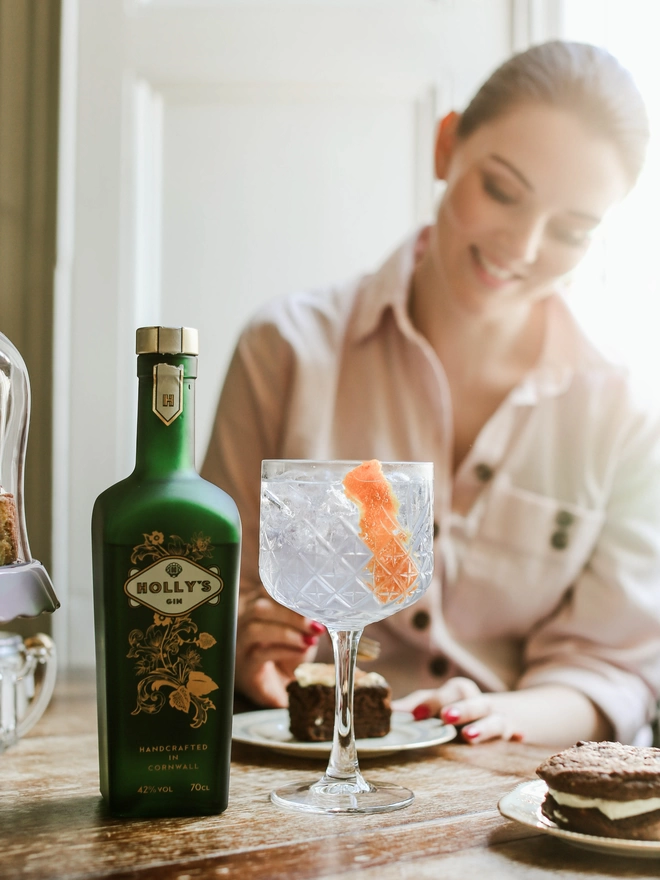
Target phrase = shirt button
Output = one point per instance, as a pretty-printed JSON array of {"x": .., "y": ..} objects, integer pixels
[
  {"x": 559, "y": 540},
  {"x": 483, "y": 472},
  {"x": 439, "y": 666},
  {"x": 564, "y": 518},
  {"x": 421, "y": 620}
]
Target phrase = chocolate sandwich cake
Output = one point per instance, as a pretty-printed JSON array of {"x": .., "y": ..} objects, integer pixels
[{"x": 604, "y": 788}]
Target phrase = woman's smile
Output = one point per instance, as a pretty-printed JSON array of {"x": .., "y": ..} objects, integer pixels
[{"x": 491, "y": 273}]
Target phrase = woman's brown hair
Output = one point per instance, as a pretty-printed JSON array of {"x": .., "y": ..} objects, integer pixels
[{"x": 585, "y": 79}]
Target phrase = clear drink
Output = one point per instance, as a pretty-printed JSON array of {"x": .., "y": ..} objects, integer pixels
[
  {"x": 347, "y": 544},
  {"x": 312, "y": 558}
]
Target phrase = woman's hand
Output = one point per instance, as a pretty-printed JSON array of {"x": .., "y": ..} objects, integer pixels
[
  {"x": 271, "y": 641},
  {"x": 460, "y": 701},
  {"x": 552, "y": 714}
]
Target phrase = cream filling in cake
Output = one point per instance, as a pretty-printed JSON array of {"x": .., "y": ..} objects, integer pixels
[
  {"x": 612, "y": 809},
  {"x": 308, "y": 674}
]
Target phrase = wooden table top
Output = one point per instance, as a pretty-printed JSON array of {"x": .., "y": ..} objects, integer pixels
[{"x": 52, "y": 823}]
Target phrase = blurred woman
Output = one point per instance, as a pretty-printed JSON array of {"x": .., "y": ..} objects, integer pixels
[{"x": 543, "y": 618}]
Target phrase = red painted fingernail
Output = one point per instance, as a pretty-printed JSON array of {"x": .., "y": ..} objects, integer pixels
[
  {"x": 517, "y": 737},
  {"x": 421, "y": 712},
  {"x": 450, "y": 715},
  {"x": 310, "y": 640},
  {"x": 317, "y": 628},
  {"x": 470, "y": 732}
]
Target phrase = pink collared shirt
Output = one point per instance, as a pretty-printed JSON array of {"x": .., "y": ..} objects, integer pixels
[{"x": 550, "y": 572}]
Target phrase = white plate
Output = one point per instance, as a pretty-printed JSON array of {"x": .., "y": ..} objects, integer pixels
[
  {"x": 523, "y": 805},
  {"x": 270, "y": 728}
]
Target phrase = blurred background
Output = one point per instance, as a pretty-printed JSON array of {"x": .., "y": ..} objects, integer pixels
[{"x": 181, "y": 161}]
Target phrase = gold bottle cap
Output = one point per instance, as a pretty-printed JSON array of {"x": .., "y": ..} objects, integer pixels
[{"x": 166, "y": 340}]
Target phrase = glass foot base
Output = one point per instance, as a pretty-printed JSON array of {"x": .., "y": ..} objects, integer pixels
[{"x": 331, "y": 796}]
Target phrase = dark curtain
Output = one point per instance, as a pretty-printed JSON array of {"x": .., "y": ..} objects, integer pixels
[{"x": 29, "y": 86}]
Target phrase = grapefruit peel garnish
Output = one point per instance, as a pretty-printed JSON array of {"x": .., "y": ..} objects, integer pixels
[{"x": 394, "y": 573}]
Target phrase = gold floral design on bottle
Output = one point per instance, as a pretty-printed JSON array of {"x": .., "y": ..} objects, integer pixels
[
  {"x": 199, "y": 547},
  {"x": 166, "y": 659}
]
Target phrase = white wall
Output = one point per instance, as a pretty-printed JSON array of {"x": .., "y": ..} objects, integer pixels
[{"x": 216, "y": 153}]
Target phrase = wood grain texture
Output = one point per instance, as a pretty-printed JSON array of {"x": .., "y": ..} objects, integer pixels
[{"x": 52, "y": 822}]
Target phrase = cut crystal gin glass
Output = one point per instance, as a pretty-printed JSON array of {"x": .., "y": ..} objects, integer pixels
[{"x": 345, "y": 543}]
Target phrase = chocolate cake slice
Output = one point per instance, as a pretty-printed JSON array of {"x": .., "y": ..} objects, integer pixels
[
  {"x": 312, "y": 703},
  {"x": 604, "y": 788}
]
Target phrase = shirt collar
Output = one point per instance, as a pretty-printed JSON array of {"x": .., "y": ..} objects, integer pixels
[
  {"x": 565, "y": 347},
  {"x": 566, "y": 350},
  {"x": 388, "y": 288}
]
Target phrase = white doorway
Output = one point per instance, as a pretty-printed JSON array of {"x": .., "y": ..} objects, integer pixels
[{"x": 213, "y": 154}]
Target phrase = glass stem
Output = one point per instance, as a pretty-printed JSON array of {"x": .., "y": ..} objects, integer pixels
[{"x": 343, "y": 764}]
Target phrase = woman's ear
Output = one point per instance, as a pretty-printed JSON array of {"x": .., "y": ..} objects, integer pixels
[{"x": 444, "y": 143}]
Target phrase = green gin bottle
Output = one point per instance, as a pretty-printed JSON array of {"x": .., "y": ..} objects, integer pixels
[{"x": 166, "y": 549}]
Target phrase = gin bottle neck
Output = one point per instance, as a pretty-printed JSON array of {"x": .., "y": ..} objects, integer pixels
[{"x": 166, "y": 415}]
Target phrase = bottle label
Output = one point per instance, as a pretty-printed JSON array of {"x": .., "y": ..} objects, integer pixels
[
  {"x": 168, "y": 655},
  {"x": 174, "y": 583},
  {"x": 167, "y": 402}
]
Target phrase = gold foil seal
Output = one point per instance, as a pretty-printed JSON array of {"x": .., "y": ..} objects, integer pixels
[{"x": 166, "y": 340}]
